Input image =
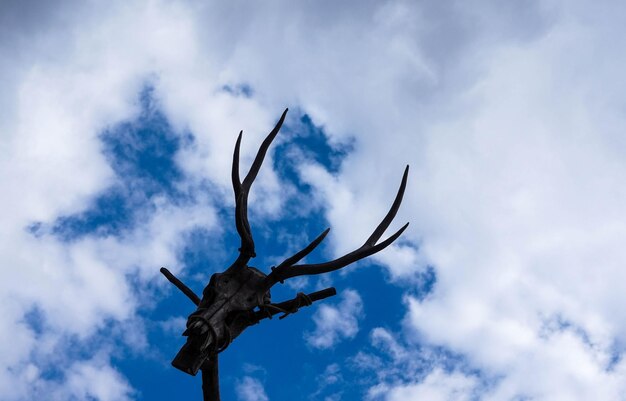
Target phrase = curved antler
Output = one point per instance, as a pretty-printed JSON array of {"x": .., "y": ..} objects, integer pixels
[
  {"x": 241, "y": 189},
  {"x": 287, "y": 269}
]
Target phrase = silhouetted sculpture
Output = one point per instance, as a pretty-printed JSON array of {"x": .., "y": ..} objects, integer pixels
[{"x": 240, "y": 296}]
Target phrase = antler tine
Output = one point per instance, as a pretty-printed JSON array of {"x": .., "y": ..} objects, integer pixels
[
  {"x": 392, "y": 211},
  {"x": 235, "y": 170},
  {"x": 287, "y": 269},
  {"x": 301, "y": 254},
  {"x": 258, "y": 160},
  {"x": 241, "y": 190},
  {"x": 241, "y": 212}
]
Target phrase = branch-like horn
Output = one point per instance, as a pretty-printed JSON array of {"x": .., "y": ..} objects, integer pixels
[
  {"x": 287, "y": 269},
  {"x": 241, "y": 189}
]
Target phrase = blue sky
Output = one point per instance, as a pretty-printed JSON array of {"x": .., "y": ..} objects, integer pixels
[
  {"x": 142, "y": 154},
  {"x": 118, "y": 123}
]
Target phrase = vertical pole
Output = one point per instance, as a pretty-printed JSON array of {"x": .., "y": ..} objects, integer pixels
[{"x": 210, "y": 380}]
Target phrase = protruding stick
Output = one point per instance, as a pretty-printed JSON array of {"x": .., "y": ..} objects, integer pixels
[
  {"x": 290, "y": 304},
  {"x": 181, "y": 286}
]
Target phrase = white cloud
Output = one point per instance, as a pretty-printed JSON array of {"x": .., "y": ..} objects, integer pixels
[
  {"x": 437, "y": 386},
  {"x": 334, "y": 323},
  {"x": 402, "y": 371},
  {"x": 250, "y": 389},
  {"x": 523, "y": 216},
  {"x": 83, "y": 380},
  {"x": 94, "y": 380}
]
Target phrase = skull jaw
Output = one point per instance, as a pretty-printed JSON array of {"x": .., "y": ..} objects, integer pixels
[
  {"x": 190, "y": 358},
  {"x": 224, "y": 312}
]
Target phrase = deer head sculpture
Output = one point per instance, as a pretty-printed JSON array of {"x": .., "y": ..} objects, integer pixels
[{"x": 240, "y": 296}]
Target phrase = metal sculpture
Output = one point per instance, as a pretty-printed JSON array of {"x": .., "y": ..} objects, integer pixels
[{"x": 240, "y": 296}]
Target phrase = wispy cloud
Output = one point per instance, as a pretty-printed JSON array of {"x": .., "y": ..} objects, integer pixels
[
  {"x": 437, "y": 386},
  {"x": 251, "y": 389},
  {"x": 335, "y": 323}
]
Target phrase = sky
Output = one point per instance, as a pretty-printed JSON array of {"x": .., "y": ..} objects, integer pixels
[{"x": 118, "y": 121}]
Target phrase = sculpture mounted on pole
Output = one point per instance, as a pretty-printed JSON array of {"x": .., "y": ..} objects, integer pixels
[{"x": 240, "y": 296}]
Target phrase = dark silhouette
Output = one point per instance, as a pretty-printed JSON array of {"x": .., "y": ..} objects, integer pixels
[{"x": 240, "y": 296}]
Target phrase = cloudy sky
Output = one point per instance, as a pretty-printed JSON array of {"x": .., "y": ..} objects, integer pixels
[{"x": 117, "y": 125}]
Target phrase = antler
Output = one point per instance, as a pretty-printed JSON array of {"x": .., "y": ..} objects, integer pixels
[
  {"x": 246, "y": 251},
  {"x": 287, "y": 268}
]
